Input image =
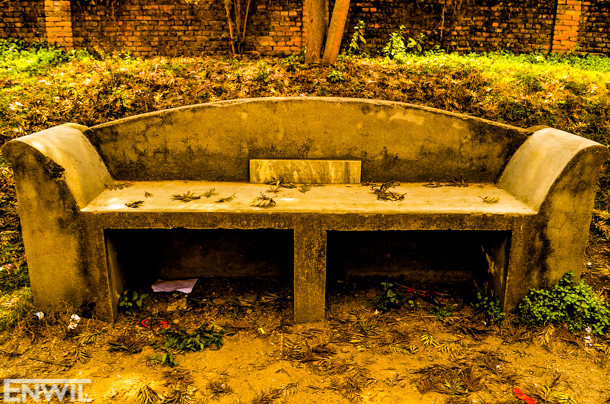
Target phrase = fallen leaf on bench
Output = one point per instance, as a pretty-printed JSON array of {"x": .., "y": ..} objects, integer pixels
[
  {"x": 263, "y": 201},
  {"x": 228, "y": 199},
  {"x": 432, "y": 184},
  {"x": 458, "y": 182},
  {"x": 134, "y": 204},
  {"x": 210, "y": 193},
  {"x": 489, "y": 199},
  {"x": 113, "y": 186},
  {"x": 384, "y": 195},
  {"x": 281, "y": 182},
  {"x": 307, "y": 187},
  {"x": 186, "y": 197},
  {"x": 273, "y": 188},
  {"x": 147, "y": 194}
]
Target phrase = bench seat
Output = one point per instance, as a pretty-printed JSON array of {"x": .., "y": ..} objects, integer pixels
[
  {"x": 334, "y": 199},
  {"x": 310, "y": 215}
]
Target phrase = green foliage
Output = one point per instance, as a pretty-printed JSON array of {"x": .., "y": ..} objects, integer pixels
[
  {"x": 199, "y": 340},
  {"x": 335, "y": 76},
  {"x": 573, "y": 304},
  {"x": 397, "y": 49},
  {"x": 413, "y": 305},
  {"x": 357, "y": 39},
  {"x": 129, "y": 305},
  {"x": 262, "y": 72},
  {"x": 13, "y": 278},
  {"x": 388, "y": 298},
  {"x": 18, "y": 57},
  {"x": 491, "y": 307},
  {"x": 440, "y": 312},
  {"x": 15, "y": 307}
]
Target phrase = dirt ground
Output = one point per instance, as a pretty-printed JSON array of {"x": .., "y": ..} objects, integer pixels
[{"x": 402, "y": 356}]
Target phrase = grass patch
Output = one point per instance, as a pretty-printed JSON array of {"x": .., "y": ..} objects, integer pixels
[{"x": 15, "y": 307}]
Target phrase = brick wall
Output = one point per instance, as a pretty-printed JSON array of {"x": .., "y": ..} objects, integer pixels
[
  {"x": 58, "y": 15},
  {"x": 174, "y": 27},
  {"x": 177, "y": 28},
  {"x": 459, "y": 25},
  {"x": 23, "y": 20},
  {"x": 594, "y": 34}
]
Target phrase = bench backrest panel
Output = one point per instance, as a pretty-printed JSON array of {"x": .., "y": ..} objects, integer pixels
[{"x": 394, "y": 141}]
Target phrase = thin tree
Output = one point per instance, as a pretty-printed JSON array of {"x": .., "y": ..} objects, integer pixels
[{"x": 315, "y": 26}]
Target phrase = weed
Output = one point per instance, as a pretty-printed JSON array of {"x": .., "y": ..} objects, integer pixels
[
  {"x": 530, "y": 81},
  {"x": 335, "y": 76},
  {"x": 262, "y": 72},
  {"x": 129, "y": 305},
  {"x": 12, "y": 277},
  {"x": 199, "y": 340},
  {"x": 357, "y": 39},
  {"x": 490, "y": 306},
  {"x": 15, "y": 307},
  {"x": 413, "y": 305},
  {"x": 440, "y": 312},
  {"x": 577, "y": 305},
  {"x": 397, "y": 49},
  {"x": 388, "y": 298}
]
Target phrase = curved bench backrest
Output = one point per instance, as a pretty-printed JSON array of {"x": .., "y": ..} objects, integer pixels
[{"x": 394, "y": 141}]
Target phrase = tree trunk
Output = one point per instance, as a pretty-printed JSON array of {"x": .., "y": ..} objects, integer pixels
[
  {"x": 230, "y": 26},
  {"x": 335, "y": 32},
  {"x": 315, "y": 29}
]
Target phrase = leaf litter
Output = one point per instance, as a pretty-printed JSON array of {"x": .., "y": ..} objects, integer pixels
[{"x": 159, "y": 87}]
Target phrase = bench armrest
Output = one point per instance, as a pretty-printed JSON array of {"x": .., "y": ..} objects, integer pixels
[
  {"x": 555, "y": 173},
  {"x": 65, "y": 155},
  {"x": 546, "y": 159}
]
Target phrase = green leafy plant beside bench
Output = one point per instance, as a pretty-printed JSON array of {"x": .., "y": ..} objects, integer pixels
[{"x": 575, "y": 304}]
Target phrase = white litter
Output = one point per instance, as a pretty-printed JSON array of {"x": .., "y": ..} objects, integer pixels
[
  {"x": 74, "y": 320},
  {"x": 183, "y": 285},
  {"x": 40, "y": 315}
]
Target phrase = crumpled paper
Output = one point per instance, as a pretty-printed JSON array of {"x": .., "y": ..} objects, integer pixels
[
  {"x": 74, "y": 320},
  {"x": 182, "y": 285}
]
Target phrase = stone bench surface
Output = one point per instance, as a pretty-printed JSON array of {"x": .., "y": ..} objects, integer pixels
[{"x": 335, "y": 199}]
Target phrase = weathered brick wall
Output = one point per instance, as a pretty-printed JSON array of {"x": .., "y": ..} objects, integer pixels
[
  {"x": 275, "y": 27},
  {"x": 23, "y": 20},
  {"x": 58, "y": 15},
  {"x": 594, "y": 35},
  {"x": 173, "y": 27},
  {"x": 459, "y": 25}
]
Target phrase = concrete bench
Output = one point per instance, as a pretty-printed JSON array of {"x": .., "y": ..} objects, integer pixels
[{"x": 544, "y": 182}]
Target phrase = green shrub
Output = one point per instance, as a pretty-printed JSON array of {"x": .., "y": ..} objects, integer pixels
[
  {"x": 440, "y": 312},
  {"x": 490, "y": 306},
  {"x": 18, "y": 57},
  {"x": 262, "y": 72},
  {"x": 335, "y": 76},
  {"x": 388, "y": 299},
  {"x": 573, "y": 304},
  {"x": 357, "y": 39},
  {"x": 129, "y": 305},
  {"x": 396, "y": 47}
]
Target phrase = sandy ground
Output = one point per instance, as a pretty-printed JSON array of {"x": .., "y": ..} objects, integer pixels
[{"x": 401, "y": 356}]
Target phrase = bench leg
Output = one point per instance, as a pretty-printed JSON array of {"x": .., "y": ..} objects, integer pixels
[{"x": 309, "y": 272}]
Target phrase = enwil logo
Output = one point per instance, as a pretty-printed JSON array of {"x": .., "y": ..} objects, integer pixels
[{"x": 70, "y": 389}]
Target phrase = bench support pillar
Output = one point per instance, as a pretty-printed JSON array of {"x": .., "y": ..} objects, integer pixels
[{"x": 309, "y": 271}]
